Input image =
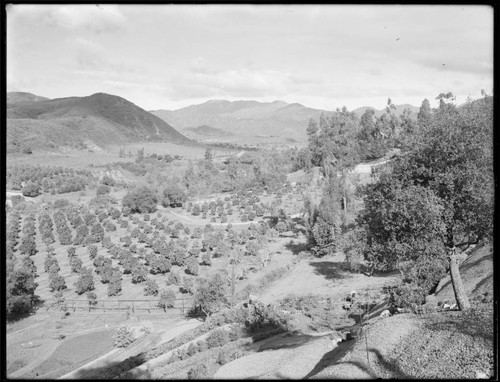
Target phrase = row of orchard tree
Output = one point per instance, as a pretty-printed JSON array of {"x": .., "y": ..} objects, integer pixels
[{"x": 430, "y": 203}]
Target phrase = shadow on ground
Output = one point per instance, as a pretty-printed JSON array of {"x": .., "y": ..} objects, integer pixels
[
  {"x": 113, "y": 369},
  {"x": 475, "y": 323},
  {"x": 388, "y": 368},
  {"x": 297, "y": 248},
  {"x": 332, "y": 270}
]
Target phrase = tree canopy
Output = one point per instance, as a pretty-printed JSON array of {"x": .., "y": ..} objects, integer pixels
[{"x": 436, "y": 197}]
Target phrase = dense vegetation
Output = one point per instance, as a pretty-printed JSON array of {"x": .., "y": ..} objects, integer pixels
[
  {"x": 33, "y": 180},
  {"x": 434, "y": 200}
]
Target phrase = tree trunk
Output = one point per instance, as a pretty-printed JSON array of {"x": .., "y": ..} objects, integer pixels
[
  {"x": 233, "y": 282},
  {"x": 456, "y": 280}
]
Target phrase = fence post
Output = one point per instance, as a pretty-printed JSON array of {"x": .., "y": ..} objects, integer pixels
[
  {"x": 133, "y": 306},
  {"x": 103, "y": 307},
  {"x": 149, "y": 306},
  {"x": 119, "y": 310}
]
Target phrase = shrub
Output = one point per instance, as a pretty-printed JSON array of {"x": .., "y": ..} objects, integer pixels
[
  {"x": 85, "y": 282},
  {"x": 57, "y": 282},
  {"x": 235, "y": 332},
  {"x": 107, "y": 180},
  {"x": 150, "y": 288},
  {"x": 103, "y": 190},
  {"x": 192, "y": 266},
  {"x": 92, "y": 250},
  {"x": 20, "y": 290},
  {"x": 71, "y": 251},
  {"x": 216, "y": 338},
  {"x": 76, "y": 264},
  {"x": 167, "y": 299},
  {"x": 223, "y": 356},
  {"x": 31, "y": 190},
  {"x": 200, "y": 371},
  {"x": 206, "y": 259},
  {"x": 115, "y": 286},
  {"x": 173, "y": 278},
  {"x": 173, "y": 194},
  {"x": 123, "y": 336},
  {"x": 92, "y": 297},
  {"x": 28, "y": 245},
  {"x": 192, "y": 349},
  {"x": 140, "y": 200}
]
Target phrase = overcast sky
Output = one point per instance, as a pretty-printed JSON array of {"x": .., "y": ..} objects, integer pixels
[{"x": 323, "y": 56}]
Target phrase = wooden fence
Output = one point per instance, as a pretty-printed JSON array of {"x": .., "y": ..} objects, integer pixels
[{"x": 181, "y": 305}]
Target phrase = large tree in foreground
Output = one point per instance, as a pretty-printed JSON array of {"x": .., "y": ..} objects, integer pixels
[{"x": 435, "y": 200}]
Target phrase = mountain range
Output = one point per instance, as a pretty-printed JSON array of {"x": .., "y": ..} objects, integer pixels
[
  {"x": 254, "y": 119},
  {"x": 96, "y": 120},
  {"x": 101, "y": 119}
]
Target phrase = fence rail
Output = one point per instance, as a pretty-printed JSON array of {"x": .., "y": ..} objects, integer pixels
[{"x": 132, "y": 305}]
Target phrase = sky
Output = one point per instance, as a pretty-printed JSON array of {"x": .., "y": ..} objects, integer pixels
[{"x": 322, "y": 56}]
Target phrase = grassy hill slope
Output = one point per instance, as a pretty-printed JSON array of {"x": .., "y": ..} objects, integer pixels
[
  {"x": 15, "y": 97},
  {"x": 207, "y": 131},
  {"x": 245, "y": 118},
  {"x": 100, "y": 119}
]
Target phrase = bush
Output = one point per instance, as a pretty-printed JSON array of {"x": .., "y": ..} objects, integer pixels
[
  {"x": 235, "y": 333},
  {"x": 57, "y": 282},
  {"x": 20, "y": 290},
  {"x": 103, "y": 190},
  {"x": 200, "y": 371},
  {"x": 173, "y": 194},
  {"x": 85, "y": 282},
  {"x": 192, "y": 349},
  {"x": 123, "y": 337},
  {"x": 216, "y": 338},
  {"x": 206, "y": 259},
  {"x": 92, "y": 250},
  {"x": 173, "y": 278},
  {"x": 76, "y": 264},
  {"x": 31, "y": 190},
  {"x": 140, "y": 200},
  {"x": 150, "y": 288},
  {"x": 167, "y": 299},
  {"x": 114, "y": 286},
  {"x": 107, "y": 180},
  {"x": 224, "y": 356},
  {"x": 92, "y": 297},
  {"x": 193, "y": 266},
  {"x": 408, "y": 296},
  {"x": 71, "y": 251}
]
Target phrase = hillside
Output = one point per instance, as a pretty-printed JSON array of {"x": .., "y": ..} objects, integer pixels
[
  {"x": 205, "y": 131},
  {"x": 245, "y": 118},
  {"x": 99, "y": 119},
  {"x": 400, "y": 346},
  {"x": 15, "y": 97},
  {"x": 255, "y": 119}
]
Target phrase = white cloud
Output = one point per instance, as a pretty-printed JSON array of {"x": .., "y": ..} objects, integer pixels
[{"x": 82, "y": 17}]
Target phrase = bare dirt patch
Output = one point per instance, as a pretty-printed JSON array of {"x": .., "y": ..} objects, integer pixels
[{"x": 328, "y": 277}]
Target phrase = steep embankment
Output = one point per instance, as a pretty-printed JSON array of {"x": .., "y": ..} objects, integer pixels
[{"x": 436, "y": 345}]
